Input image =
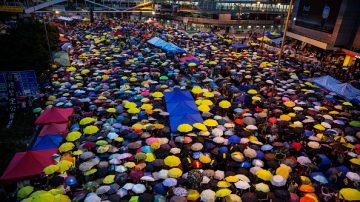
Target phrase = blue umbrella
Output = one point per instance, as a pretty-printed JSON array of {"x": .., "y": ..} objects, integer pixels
[
  {"x": 159, "y": 188},
  {"x": 266, "y": 147},
  {"x": 245, "y": 164},
  {"x": 319, "y": 177},
  {"x": 234, "y": 139},
  {"x": 308, "y": 133},
  {"x": 223, "y": 150},
  {"x": 169, "y": 182},
  {"x": 238, "y": 110}
]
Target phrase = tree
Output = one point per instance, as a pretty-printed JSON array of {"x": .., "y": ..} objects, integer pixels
[{"x": 25, "y": 47}]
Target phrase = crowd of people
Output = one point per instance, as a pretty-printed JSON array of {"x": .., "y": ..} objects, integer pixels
[{"x": 267, "y": 135}]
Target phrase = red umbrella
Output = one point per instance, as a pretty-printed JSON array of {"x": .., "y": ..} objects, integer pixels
[
  {"x": 296, "y": 145},
  {"x": 272, "y": 120},
  {"x": 89, "y": 145},
  {"x": 239, "y": 121}
]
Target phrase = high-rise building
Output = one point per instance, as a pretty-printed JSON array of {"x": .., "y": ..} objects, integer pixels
[
  {"x": 331, "y": 25},
  {"x": 227, "y": 15}
]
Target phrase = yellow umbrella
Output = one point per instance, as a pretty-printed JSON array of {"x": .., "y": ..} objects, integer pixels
[
  {"x": 67, "y": 146},
  {"x": 264, "y": 174},
  {"x": 90, "y": 172},
  {"x": 212, "y": 63},
  {"x": 205, "y": 159},
  {"x": 111, "y": 110},
  {"x": 289, "y": 104},
  {"x": 129, "y": 105},
  {"x": 355, "y": 161},
  {"x": 319, "y": 127},
  {"x": 193, "y": 195},
  {"x": 109, "y": 179},
  {"x": 72, "y": 136},
  {"x": 147, "y": 106},
  {"x": 262, "y": 187},
  {"x": 25, "y": 191},
  {"x": 150, "y": 157},
  {"x": 208, "y": 94},
  {"x": 44, "y": 197},
  {"x": 64, "y": 166},
  {"x": 157, "y": 95},
  {"x": 349, "y": 194},
  {"x": 85, "y": 71},
  {"x": 184, "y": 128},
  {"x": 137, "y": 126},
  {"x": 192, "y": 64},
  {"x": 71, "y": 69},
  {"x": 62, "y": 198},
  {"x": 172, "y": 161},
  {"x": 196, "y": 90},
  {"x": 207, "y": 102},
  {"x": 90, "y": 130},
  {"x": 252, "y": 92},
  {"x": 129, "y": 164},
  {"x": 223, "y": 192},
  {"x": 283, "y": 171},
  {"x": 211, "y": 122},
  {"x": 133, "y": 110},
  {"x": 224, "y": 104},
  {"x": 51, "y": 169},
  {"x": 55, "y": 191},
  {"x": 175, "y": 172},
  {"x": 200, "y": 126},
  {"x": 285, "y": 117},
  {"x": 223, "y": 184},
  {"x": 231, "y": 179},
  {"x": 87, "y": 120},
  {"x": 158, "y": 126},
  {"x": 204, "y": 108}
]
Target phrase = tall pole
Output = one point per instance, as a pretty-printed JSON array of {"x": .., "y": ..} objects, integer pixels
[
  {"x": 282, "y": 45},
  {"x": 48, "y": 42}
]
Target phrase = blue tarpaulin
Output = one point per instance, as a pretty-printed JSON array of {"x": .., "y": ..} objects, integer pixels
[
  {"x": 277, "y": 40},
  {"x": 239, "y": 45},
  {"x": 344, "y": 90},
  {"x": 47, "y": 142},
  {"x": 165, "y": 46},
  {"x": 182, "y": 108}
]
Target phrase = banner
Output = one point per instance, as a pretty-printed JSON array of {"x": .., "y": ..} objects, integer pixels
[
  {"x": 11, "y": 97},
  {"x": 25, "y": 84}
]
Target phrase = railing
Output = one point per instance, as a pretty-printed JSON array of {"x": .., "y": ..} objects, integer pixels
[{"x": 224, "y": 22}]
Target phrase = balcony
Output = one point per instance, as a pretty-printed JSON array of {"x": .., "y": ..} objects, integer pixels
[{"x": 223, "y": 22}]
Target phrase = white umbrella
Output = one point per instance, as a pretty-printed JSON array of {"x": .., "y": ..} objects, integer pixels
[
  {"x": 353, "y": 176},
  {"x": 208, "y": 195},
  {"x": 242, "y": 185},
  {"x": 139, "y": 188},
  {"x": 219, "y": 175},
  {"x": 219, "y": 140},
  {"x": 163, "y": 174},
  {"x": 314, "y": 145},
  {"x": 147, "y": 178},
  {"x": 128, "y": 186},
  {"x": 92, "y": 197},
  {"x": 251, "y": 127},
  {"x": 217, "y": 132},
  {"x": 278, "y": 180},
  {"x": 303, "y": 160},
  {"x": 242, "y": 177},
  {"x": 250, "y": 153}
]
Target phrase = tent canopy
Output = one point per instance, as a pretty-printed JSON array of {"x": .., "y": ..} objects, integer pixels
[
  {"x": 182, "y": 108},
  {"x": 165, "y": 46},
  {"x": 47, "y": 142},
  {"x": 177, "y": 95},
  {"x": 189, "y": 57},
  {"x": 239, "y": 45},
  {"x": 277, "y": 40},
  {"x": 344, "y": 90},
  {"x": 25, "y": 165},
  {"x": 54, "y": 115},
  {"x": 54, "y": 129}
]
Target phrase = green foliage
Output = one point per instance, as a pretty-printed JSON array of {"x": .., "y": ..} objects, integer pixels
[{"x": 25, "y": 47}]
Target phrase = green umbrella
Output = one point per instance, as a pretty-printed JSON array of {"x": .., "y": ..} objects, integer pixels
[
  {"x": 164, "y": 78},
  {"x": 355, "y": 123},
  {"x": 37, "y": 110}
]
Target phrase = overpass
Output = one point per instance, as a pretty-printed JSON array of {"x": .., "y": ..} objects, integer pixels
[{"x": 44, "y": 5}]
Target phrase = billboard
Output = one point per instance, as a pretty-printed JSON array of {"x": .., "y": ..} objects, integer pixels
[
  {"x": 319, "y": 15},
  {"x": 25, "y": 83}
]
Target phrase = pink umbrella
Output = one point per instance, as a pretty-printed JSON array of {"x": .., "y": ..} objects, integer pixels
[
  {"x": 151, "y": 140},
  {"x": 145, "y": 93},
  {"x": 285, "y": 99}
]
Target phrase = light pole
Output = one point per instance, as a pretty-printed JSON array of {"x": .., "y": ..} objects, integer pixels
[
  {"x": 282, "y": 45},
  {"x": 48, "y": 42}
]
